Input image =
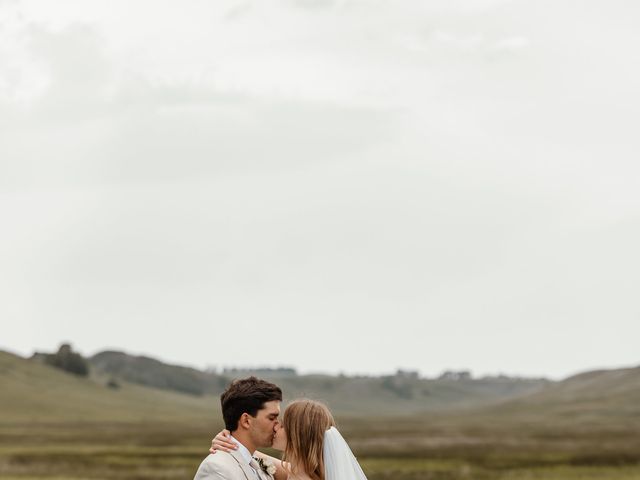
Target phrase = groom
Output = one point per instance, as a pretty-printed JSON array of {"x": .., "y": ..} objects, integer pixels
[{"x": 250, "y": 408}]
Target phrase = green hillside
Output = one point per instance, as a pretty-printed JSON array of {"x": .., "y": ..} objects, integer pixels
[
  {"x": 395, "y": 394},
  {"x": 149, "y": 389},
  {"x": 607, "y": 397},
  {"x": 154, "y": 373},
  {"x": 589, "y": 407},
  {"x": 31, "y": 391}
]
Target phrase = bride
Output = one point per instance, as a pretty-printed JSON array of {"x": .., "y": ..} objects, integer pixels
[{"x": 313, "y": 447}]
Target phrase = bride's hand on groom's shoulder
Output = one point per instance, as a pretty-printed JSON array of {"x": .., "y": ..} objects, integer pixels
[{"x": 222, "y": 441}]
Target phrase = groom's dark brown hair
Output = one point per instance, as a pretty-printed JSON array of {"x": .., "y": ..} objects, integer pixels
[{"x": 246, "y": 395}]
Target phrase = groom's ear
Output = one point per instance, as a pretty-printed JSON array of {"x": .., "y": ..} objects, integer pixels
[{"x": 244, "y": 422}]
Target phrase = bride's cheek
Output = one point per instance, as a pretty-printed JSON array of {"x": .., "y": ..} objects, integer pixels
[{"x": 280, "y": 441}]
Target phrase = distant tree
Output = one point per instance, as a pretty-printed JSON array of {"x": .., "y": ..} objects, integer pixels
[{"x": 68, "y": 360}]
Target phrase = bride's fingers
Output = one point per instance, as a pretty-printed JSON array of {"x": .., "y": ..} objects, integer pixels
[
  {"x": 223, "y": 443},
  {"x": 215, "y": 447},
  {"x": 213, "y": 450},
  {"x": 219, "y": 444}
]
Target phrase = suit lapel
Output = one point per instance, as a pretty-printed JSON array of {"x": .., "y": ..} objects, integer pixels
[
  {"x": 246, "y": 469},
  {"x": 261, "y": 473}
]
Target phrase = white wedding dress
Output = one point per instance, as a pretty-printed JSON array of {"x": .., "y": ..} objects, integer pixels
[{"x": 339, "y": 461}]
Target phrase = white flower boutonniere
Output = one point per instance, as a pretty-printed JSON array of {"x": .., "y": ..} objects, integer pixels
[{"x": 266, "y": 466}]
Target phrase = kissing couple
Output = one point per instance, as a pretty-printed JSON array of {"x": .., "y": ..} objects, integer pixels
[{"x": 312, "y": 447}]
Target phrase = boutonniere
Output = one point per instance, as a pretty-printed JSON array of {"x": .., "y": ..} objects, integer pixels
[{"x": 266, "y": 466}]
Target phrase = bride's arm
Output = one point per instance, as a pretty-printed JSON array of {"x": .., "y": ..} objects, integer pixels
[{"x": 281, "y": 472}]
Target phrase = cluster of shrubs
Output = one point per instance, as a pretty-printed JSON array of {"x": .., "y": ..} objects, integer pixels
[{"x": 66, "y": 359}]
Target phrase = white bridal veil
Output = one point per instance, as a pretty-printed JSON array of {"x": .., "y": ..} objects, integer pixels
[{"x": 339, "y": 462}]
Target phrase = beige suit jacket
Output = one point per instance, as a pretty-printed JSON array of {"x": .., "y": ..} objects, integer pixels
[{"x": 228, "y": 466}]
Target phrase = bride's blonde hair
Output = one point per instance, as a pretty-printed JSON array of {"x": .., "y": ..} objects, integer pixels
[{"x": 305, "y": 422}]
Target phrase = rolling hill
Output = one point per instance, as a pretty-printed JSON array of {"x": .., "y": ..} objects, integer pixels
[
  {"x": 148, "y": 389},
  {"x": 602, "y": 398},
  {"x": 31, "y": 391},
  {"x": 603, "y": 402},
  {"x": 396, "y": 394},
  {"x": 156, "y": 374}
]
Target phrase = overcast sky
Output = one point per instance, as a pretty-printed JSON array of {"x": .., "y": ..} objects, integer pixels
[{"x": 352, "y": 186}]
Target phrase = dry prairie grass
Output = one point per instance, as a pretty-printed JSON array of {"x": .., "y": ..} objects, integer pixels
[{"x": 172, "y": 450}]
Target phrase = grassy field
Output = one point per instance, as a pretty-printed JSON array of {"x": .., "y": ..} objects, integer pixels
[{"x": 388, "y": 449}]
